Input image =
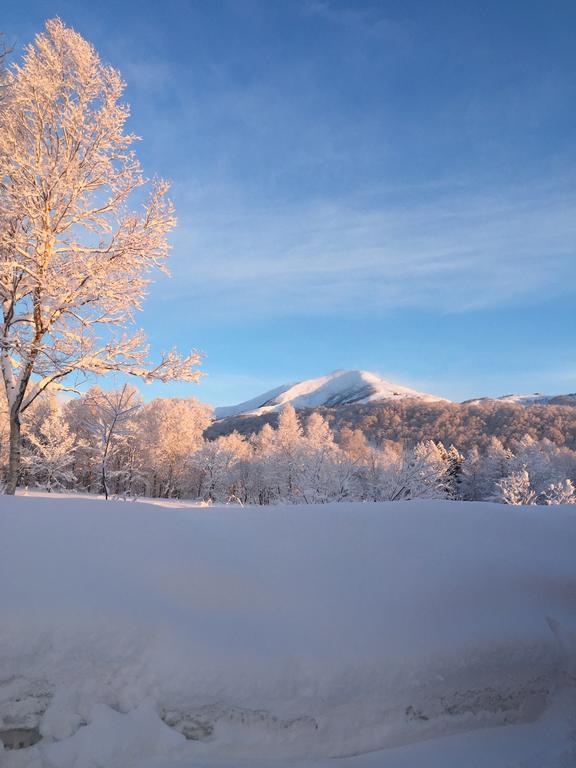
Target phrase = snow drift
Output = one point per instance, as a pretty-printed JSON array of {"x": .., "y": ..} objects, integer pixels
[{"x": 136, "y": 635}]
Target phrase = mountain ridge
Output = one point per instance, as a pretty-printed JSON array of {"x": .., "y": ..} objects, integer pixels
[
  {"x": 341, "y": 387},
  {"x": 358, "y": 387},
  {"x": 536, "y": 398}
]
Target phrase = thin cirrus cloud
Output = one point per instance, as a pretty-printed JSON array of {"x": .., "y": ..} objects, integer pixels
[
  {"x": 362, "y": 21},
  {"x": 455, "y": 254}
]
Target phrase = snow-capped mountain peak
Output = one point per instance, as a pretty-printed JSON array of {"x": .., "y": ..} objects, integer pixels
[{"x": 340, "y": 387}]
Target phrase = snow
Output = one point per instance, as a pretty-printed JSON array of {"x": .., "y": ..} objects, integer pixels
[
  {"x": 251, "y": 406},
  {"x": 393, "y": 634},
  {"x": 337, "y": 388},
  {"x": 535, "y": 399}
]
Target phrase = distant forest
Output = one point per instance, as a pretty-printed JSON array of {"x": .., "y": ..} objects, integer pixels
[{"x": 465, "y": 425}]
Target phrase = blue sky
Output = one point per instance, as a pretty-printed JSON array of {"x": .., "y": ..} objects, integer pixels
[{"x": 361, "y": 184}]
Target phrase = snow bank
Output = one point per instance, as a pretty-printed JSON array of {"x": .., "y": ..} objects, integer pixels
[{"x": 137, "y": 635}]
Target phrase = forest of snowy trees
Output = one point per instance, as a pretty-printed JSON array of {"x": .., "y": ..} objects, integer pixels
[
  {"x": 111, "y": 442},
  {"x": 466, "y": 425}
]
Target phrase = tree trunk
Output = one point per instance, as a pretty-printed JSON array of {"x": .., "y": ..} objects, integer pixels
[
  {"x": 14, "y": 454},
  {"x": 104, "y": 481}
]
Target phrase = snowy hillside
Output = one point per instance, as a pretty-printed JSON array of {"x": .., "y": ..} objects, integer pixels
[
  {"x": 137, "y": 636},
  {"x": 338, "y": 388},
  {"x": 537, "y": 398}
]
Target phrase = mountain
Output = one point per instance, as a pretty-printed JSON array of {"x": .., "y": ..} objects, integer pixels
[
  {"x": 383, "y": 411},
  {"x": 537, "y": 398},
  {"x": 337, "y": 388}
]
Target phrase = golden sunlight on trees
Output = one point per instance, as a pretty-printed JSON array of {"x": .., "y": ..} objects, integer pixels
[{"x": 74, "y": 261}]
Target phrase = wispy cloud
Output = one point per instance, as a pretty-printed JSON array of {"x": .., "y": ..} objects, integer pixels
[
  {"x": 456, "y": 253},
  {"x": 360, "y": 20}
]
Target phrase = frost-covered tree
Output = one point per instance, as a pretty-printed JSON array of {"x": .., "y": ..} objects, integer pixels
[
  {"x": 353, "y": 442},
  {"x": 107, "y": 417},
  {"x": 563, "y": 492},
  {"x": 546, "y": 463},
  {"x": 471, "y": 486},
  {"x": 223, "y": 471},
  {"x": 529, "y": 454},
  {"x": 411, "y": 474},
  {"x": 320, "y": 454},
  {"x": 289, "y": 455},
  {"x": 169, "y": 431},
  {"x": 516, "y": 488},
  {"x": 50, "y": 455},
  {"x": 495, "y": 465},
  {"x": 238, "y": 454},
  {"x": 384, "y": 474},
  {"x": 73, "y": 260},
  {"x": 429, "y": 467},
  {"x": 265, "y": 485}
]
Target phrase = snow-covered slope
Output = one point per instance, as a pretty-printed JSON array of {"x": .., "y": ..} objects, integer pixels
[
  {"x": 337, "y": 388},
  {"x": 135, "y": 636},
  {"x": 537, "y": 398}
]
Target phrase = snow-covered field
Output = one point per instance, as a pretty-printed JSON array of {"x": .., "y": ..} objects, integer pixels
[{"x": 391, "y": 635}]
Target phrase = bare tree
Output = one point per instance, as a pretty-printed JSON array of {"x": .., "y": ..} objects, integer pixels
[{"x": 73, "y": 260}]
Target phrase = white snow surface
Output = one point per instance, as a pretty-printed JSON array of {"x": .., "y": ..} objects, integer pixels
[
  {"x": 397, "y": 635},
  {"x": 337, "y": 388},
  {"x": 535, "y": 399}
]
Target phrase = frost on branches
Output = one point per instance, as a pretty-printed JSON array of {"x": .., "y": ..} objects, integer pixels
[
  {"x": 563, "y": 492},
  {"x": 51, "y": 452},
  {"x": 74, "y": 261},
  {"x": 516, "y": 488},
  {"x": 107, "y": 419}
]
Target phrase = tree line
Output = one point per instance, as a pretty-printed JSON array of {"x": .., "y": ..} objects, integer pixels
[
  {"x": 466, "y": 425},
  {"x": 112, "y": 443}
]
